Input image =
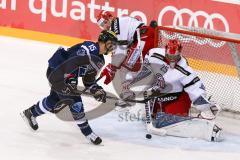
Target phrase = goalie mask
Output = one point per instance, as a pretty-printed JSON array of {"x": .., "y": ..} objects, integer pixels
[
  {"x": 104, "y": 20},
  {"x": 173, "y": 52}
]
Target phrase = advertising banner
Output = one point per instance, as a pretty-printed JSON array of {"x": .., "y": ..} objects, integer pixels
[{"x": 77, "y": 18}]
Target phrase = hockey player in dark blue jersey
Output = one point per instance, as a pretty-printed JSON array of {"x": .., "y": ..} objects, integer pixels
[{"x": 65, "y": 66}]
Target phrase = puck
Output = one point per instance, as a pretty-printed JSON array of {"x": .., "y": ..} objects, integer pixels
[{"x": 148, "y": 136}]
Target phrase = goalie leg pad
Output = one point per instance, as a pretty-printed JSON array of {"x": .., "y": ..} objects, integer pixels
[{"x": 189, "y": 127}]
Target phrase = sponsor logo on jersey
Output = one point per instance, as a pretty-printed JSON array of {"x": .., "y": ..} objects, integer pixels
[
  {"x": 160, "y": 82},
  {"x": 115, "y": 26},
  {"x": 167, "y": 99},
  {"x": 81, "y": 52},
  {"x": 133, "y": 58}
]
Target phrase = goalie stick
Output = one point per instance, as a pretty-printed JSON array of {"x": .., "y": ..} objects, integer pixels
[
  {"x": 150, "y": 128},
  {"x": 143, "y": 101},
  {"x": 63, "y": 113}
]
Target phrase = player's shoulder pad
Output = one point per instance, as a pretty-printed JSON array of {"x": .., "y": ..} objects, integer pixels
[
  {"x": 92, "y": 50},
  {"x": 90, "y": 45},
  {"x": 157, "y": 53},
  {"x": 183, "y": 70},
  {"x": 183, "y": 62},
  {"x": 183, "y": 67}
]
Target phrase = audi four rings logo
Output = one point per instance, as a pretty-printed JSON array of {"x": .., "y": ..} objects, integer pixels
[{"x": 193, "y": 22}]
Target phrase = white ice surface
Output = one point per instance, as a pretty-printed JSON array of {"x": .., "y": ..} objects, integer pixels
[{"x": 22, "y": 70}]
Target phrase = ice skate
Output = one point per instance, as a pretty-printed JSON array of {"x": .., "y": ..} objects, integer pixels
[{"x": 29, "y": 119}]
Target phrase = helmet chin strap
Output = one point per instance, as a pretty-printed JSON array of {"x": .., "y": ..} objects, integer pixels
[
  {"x": 106, "y": 53},
  {"x": 171, "y": 64},
  {"x": 107, "y": 50}
]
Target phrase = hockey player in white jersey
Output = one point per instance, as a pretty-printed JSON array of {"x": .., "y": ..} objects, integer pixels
[
  {"x": 135, "y": 39},
  {"x": 178, "y": 87}
]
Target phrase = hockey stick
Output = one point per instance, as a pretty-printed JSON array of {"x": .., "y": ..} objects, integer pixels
[
  {"x": 116, "y": 98},
  {"x": 146, "y": 99},
  {"x": 66, "y": 102},
  {"x": 86, "y": 88},
  {"x": 150, "y": 128}
]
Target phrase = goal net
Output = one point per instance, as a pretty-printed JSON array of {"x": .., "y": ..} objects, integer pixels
[{"x": 216, "y": 58}]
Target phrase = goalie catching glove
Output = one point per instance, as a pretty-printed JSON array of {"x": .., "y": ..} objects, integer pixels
[{"x": 98, "y": 93}]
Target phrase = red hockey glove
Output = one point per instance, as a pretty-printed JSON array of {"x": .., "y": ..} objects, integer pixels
[{"x": 109, "y": 71}]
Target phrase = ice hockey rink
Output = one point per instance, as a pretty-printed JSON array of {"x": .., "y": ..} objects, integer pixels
[{"x": 22, "y": 68}]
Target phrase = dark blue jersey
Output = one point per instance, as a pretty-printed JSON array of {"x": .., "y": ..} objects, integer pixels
[
  {"x": 82, "y": 59},
  {"x": 86, "y": 48}
]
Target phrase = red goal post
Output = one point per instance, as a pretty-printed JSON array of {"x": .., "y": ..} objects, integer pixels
[{"x": 215, "y": 56}]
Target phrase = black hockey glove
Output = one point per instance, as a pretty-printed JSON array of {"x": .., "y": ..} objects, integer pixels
[
  {"x": 98, "y": 93},
  {"x": 71, "y": 80}
]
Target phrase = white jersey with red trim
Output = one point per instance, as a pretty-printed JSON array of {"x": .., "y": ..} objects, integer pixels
[
  {"x": 124, "y": 27},
  {"x": 178, "y": 79}
]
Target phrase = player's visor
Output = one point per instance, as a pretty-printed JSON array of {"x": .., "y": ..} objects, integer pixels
[
  {"x": 173, "y": 57},
  {"x": 101, "y": 23}
]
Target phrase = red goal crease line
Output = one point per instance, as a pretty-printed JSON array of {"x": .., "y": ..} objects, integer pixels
[{"x": 68, "y": 41}]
